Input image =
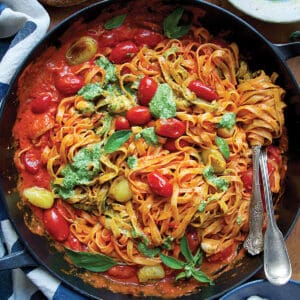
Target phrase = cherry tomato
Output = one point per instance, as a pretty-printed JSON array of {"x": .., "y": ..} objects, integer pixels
[
  {"x": 246, "y": 177},
  {"x": 138, "y": 115},
  {"x": 111, "y": 38},
  {"x": 274, "y": 154},
  {"x": 193, "y": 241},
  {"x": 224, "y": 255},
  {"x": 121, "y": 123},
  {"x": 41, "y": 103},
  {"x": 159, "y": 184},
  {"x": 147, "y": 37},
  {"x": 146, "y": 90},
  {"x": 68, "y": 83},
  {"x": 121, "y": 271},
  {"x": 123, "y": 52},
  {"x": 56, "y": 225},
  {"x": 171, "y": 128},
  {"x": 31, "y": 161},
  {"x": 202, "y": 90},
  {"x": 171, "y": 146},
  {"x": 73, "y": 243}
]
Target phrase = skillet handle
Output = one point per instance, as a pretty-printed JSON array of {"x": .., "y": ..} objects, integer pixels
[
  {"x": 17, "y": 260},
  {"x": 289, "y": 50}
]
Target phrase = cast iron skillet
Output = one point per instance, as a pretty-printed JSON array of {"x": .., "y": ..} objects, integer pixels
[{"x": 260, "y": 53}]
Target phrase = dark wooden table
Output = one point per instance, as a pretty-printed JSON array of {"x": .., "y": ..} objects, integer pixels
[{"x": 276, "y": 33}]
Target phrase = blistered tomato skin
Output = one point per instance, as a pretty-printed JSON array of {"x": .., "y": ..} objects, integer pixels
[
  {"x": 41, "y": 103},
  {"x": 56, "y": 225},
  {"x": 170, "y": 144},
  {"x": 146, "y": 90},
  {"x": 122, "y": 123},
  {"x": 122, "y": 272},
  {"x": 138, "y": 115},
  {"x": 170, "y": 128},
  {"x": 68, "y": 84},
  {"x": 31, "y": 162},
  {"x": 147, "y": 37},
  {"x": 159, "y": 184},
  {"x": 202, "y": 90},
  {"x": 123, "y": 52}
]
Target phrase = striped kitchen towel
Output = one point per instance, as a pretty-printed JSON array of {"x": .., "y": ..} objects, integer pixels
[{"x": 22, "y": 25}]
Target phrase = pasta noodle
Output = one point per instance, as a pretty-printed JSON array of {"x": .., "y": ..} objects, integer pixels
[{"x": 100, "y": 175}]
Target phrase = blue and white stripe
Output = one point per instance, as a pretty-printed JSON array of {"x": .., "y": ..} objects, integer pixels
[{"x": 22, "y": 25}]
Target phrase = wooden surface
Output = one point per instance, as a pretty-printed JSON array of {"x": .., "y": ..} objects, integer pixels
[{"x": 276, "y": 33}]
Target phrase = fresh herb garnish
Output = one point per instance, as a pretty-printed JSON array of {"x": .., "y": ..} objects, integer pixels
[
  {"x": 227, "y": 121},
  {"x": 162, "y": 104},
  {"x": 149, "y": 252},
  {"x": 223, "y": 147},
  {"x": 190, "y": 266},
  {"x": 90, "y": 261},
  {"x": 172, "y": 29},
  {"x": 116, "y": 140},
  {"x": 91, "y": 91},
  {"x": 115, "y": 22}
]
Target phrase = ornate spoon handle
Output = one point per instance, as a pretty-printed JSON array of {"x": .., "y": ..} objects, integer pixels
[
  {"x": 277, "y": 264},
  {"x": 254, "y": 242}
]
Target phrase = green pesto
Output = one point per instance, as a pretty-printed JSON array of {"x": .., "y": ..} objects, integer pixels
[
  {"x": 228, "y": 120},
  {"x": 223, "y": 147},
  {"x": 91, "y": 91},
  {"x": 150, "y": 136},
  {"x": 162, "y": 104},
  {"x": 86, "y": 164},
  {"x": 110, "y": 69},
  {"x": 132, "y": 162},
  {"x": 220, "y": 183}
]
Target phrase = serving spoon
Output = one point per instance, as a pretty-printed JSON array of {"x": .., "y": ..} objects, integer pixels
[
  {"x": 254, "y": 242},
  {"x": 277, "y": 264}
]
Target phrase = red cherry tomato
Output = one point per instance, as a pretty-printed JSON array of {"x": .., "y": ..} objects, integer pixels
[
  {"x": 274, "y": 154},
  {"x": 146, "y": 90},
  {"x": 31, "y": 161},
  {"x": 121, "y": 123},
  {"x": 111, "y": 38},
  {"x": 123, "y": 52},
  {"x": 171, "y": 146},
  {"x": 246, "y": 177},
  {"x": 171, "y": 128},
  {"x": 193, "y": 241},
  {"x": 73, "y": 243},
  {"x": 160, "y": 184},
  {"x": 68, "y": 83},
  {"x": 56, "y": 225},
  {"x": 41, "y": 103},
  {"x": 202, "y": 90},
  {"x": 122, "y": 272},
  {"x": 147, "y": 37},
  {"x": 138, "y": 115},
  {"x": 224, "y": 255}
]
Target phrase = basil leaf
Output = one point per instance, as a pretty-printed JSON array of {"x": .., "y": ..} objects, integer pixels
[
  {"x": 172, "y": 262},
  {"x": 90, "y": 261},
  {"x": 110, "y": 69},
  {"x": 223, "y": 147},
  {"x": 171, "y": 28},
  {"x": 162, "y": 104},
  {"x": 180, "y": 276},
  {"x": 150, "y": 136},
  {"x": 185, "y": 249},
  {"x": 132, "y": 162},
  {"x": 150, "y": 252},
  {"x": 116, "y": 140},
  {"x": 228, "y": 120},
  {"x": 201, "y": 277},
  {"x": 197, "y": 259},
  {"x": 90, "y": 91},
  {"x": 115, "y": 22}
]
